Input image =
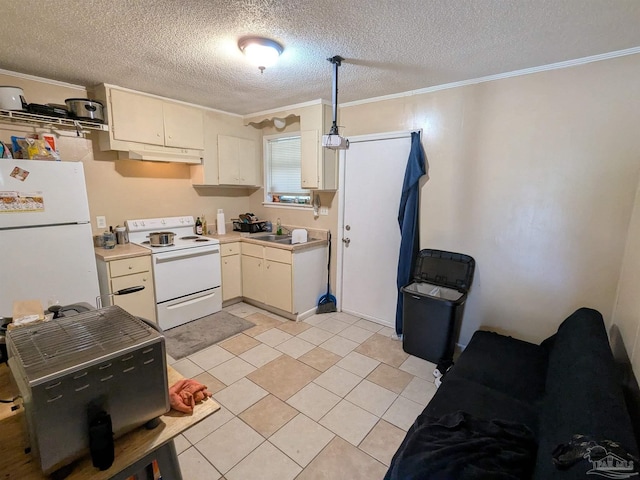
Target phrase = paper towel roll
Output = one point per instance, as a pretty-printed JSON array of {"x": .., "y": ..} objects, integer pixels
[{"x": 220, "y": 222}]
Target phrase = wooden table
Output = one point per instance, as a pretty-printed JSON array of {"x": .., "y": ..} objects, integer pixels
[{"x": 132, "y": 451}]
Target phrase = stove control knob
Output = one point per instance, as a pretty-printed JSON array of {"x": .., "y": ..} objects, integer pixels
[{"x": 162, "y": 221}]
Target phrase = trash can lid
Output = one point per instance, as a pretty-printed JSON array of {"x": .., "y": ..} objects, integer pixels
[{"x": 447, "y": 269}]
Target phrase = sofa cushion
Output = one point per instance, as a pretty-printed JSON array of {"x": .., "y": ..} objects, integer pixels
[
  {"x": 457, "y": 393},
  {"x": 583, "y": 394},
  {"x": 513, "y": 367}
]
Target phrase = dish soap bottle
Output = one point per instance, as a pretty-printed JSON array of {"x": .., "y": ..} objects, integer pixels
[
  {"x": 204, "y": 225},
  {"x": 198, "y": 226},
  {"x": 279, "y": 227}
]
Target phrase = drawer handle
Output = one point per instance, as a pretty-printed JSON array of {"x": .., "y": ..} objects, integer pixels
[
  {"x": 82, "y": 388},
  {"x": 83, "y": 374},
  {"x": 147, "y": 350},
  {"x": 124, "y": 359},
  {"x": 106, "y": 378},
  {"x": 128, "y": 369},
  {"x": 54, "y": 399},
  {"x": 102, "y": 367},
  {"x": 128, "y": 290},
  {"x": 52, "y": 385},
  {"x": 148, "y": 361}
]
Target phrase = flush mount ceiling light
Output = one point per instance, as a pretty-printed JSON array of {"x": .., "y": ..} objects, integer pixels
[{"x": 263, "y": 52}]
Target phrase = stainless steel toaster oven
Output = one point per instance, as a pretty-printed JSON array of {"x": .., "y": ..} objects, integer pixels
[{"x": 102, "y": 361}]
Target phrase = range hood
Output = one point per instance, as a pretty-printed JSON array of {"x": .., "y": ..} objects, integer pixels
[{"x": 175, "y": 155}]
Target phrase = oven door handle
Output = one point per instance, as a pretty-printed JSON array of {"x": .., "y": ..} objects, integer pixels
[{"x": 180, "y": 254}]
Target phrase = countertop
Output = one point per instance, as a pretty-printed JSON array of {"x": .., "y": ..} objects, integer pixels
[
  {"x": 317, "y": 239},
  {"x": 127, "y": 250},
  {"x": 135, "y": 445}
]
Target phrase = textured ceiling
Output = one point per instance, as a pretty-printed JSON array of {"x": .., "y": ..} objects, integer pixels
[{"x": 187, "y": 49}]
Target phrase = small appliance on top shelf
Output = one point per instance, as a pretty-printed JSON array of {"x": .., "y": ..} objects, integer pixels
[{"x": 248, "y": 222}]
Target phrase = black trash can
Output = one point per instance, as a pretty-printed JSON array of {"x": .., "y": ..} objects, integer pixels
[{"x": 433, "y": 305}]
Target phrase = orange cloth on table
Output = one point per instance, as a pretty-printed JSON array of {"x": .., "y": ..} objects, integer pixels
[{"x": 184, "y": 394}]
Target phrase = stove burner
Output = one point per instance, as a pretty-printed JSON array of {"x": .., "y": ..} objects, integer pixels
[
  {"x": 202, "y": 240},
  {"x": 190, "y": 237},
  {"x": 147, "y": 242}
]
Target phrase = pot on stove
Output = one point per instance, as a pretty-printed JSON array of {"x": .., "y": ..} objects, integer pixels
[{"x": 161, "y": 239}]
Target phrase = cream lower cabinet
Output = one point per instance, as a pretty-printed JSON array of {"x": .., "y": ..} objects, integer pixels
[
  {"x": 252, "y": 272},
  {"x": 129, "y": 283},
  {"x": 278, "y": 279},
  {"x": 231, "y": 271},
  {"x": 284, "y": 280}
]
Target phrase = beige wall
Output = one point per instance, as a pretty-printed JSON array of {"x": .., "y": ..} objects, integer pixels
[
  {"x": 535, "y": 177},
  {"x": 126, "y": 189},
  {"x": 627, "y": 310}
]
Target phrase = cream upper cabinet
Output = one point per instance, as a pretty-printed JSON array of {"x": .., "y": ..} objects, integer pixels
[
  {"x": 237, "y": 161},
  {"x": 183, "y": 126},
  {"x": 136, "y": 118},
  {"x": 309, "y": 145},
  {"x": 144, "y": 127},
  {"x": 319, "y": 165}
]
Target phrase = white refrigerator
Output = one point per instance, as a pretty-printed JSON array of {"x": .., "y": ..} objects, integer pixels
[{"x": 46, "y": 245}]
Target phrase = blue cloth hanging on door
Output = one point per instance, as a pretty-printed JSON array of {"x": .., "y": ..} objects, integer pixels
[{"x": 408, "y": 220}]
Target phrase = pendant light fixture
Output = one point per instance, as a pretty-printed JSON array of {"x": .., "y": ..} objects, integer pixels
[{"x": 263, "y": 52}]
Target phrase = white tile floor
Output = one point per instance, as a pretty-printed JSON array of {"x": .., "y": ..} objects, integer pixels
[{"x": 346, "y": 414}]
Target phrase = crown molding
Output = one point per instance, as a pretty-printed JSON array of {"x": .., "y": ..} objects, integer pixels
[{"x": 499, "y": 76}]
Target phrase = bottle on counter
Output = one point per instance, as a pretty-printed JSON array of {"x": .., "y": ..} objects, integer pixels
[
  {"x": 204, "y": 225},
  {"x": 198, "y": 226},
  {"x": 279, "y": 227}
]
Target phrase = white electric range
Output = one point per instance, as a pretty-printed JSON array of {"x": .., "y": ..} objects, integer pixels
[{"x": 186, "y": 273}]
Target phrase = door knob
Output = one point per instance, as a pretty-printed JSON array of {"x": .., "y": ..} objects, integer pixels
[
  {"x": 346, "y": 241},
  {"x": 347, "y": 227}
]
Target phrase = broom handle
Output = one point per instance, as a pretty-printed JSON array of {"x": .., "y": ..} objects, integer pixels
[{"x": 329, "y": 267}]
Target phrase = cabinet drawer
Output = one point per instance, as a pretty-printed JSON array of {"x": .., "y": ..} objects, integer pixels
[
  {"x": 140, "y": 303},
  {"x": 277, "y": 255},
  {"x": 252, "y": 250},
  {"x": 127, "y": 266},
  {"x": 227, "y": 249}
]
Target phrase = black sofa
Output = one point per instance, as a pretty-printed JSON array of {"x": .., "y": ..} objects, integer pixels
[{"x": 509, "y": 409}]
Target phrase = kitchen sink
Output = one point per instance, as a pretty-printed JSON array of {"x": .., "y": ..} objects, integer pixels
[{"x": 270, "y": 237}]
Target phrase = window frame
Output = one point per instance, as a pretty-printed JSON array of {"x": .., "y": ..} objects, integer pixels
[{"x": 267, "y": 174}]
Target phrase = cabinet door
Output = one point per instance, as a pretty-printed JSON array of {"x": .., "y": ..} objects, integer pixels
[
  {"x": 252, "y": 284},
  {"x": 228, "y": 167},
  {"x": 277, "y": 285},
  {"x": 136, "y": 118},
  {"x": 183, "y": 126},
  {"x": 142, "y": 303},
  {"x": 309, "y": 144},
  {"x": 231, "y": 277},
  {"x": 248, "y": 162}
]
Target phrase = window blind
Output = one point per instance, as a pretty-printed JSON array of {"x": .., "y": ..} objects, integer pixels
[{"x": 284, "y": 166}]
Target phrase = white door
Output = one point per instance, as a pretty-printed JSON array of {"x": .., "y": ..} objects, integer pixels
[{"x": 373, "y": 172}]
